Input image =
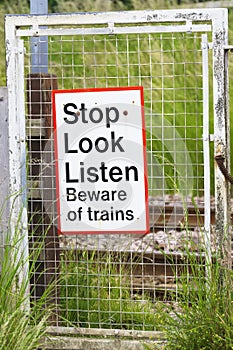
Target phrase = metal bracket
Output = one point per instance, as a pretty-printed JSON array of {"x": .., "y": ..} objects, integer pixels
[
  {"x": 228, "y": 48},
  {"x": 111, "y": 27},
  {"x": 212, "y": 138}
]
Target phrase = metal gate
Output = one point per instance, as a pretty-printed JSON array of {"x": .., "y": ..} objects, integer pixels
[{"x": 180, "y": 59}]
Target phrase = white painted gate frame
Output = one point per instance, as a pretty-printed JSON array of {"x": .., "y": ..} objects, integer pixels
[{"x": 198, "y": 20}]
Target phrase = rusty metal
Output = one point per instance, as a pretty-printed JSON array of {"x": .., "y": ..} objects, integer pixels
[{"x": 220, "y": 159}]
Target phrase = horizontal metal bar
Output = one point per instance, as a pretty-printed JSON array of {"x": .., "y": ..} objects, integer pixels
[
  {"x": 228, "y": 48},
  {"x": 70, "y": 343},
  {"x": 180, "y": 15},
  {"x": 114, "y": 30},
  {"x": 135, "y": 334}
]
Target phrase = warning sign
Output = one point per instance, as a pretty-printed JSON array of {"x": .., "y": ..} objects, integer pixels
[{"x": 100, "y": 151}]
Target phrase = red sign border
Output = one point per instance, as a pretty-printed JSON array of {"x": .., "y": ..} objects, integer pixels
[{"x": 54, "y": 92}]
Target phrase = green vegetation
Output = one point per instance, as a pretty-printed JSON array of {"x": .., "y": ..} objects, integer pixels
[
  {"x": 202, "y": 317},
  {"x": 97, "y": 294},
  {"x": 19, "y": 328}
]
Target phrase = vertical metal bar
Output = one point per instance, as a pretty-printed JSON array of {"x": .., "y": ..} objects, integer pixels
[
  {"x": 43, "y": 83},
  {"x": 38, "y": 7},
  {"x": 206, "y": 150},
  {"x": 221, "y": 126},
  {"x": 227, "y": 154},
  {"x": 23, "y": 252},
  {"x": 14, "y": 130},
  {"x": 17, "y": 148},
  {"x": 4, "y": 173},
  {"x": 39, "y": 45}
]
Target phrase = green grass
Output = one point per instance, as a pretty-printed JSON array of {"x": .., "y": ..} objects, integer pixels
[
  {"x": 202, "y": 317},
  {"x": 23, "y": 321},
  {"x": 96, "y": 293}
]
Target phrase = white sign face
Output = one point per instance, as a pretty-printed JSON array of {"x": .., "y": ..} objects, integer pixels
[{"x": 100, "y": 150}]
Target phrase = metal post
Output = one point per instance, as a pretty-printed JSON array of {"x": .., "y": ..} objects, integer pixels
[
  {"x": 39, "y": 45},
  {"x": 221, "y": 133},
  {"x": 4, "y": 173},
  {"x": 40, "y": 84},
  {"x": 206, "y": 149}
]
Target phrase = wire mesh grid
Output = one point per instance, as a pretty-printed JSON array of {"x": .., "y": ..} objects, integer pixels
[{"x": 111, "y": 280}]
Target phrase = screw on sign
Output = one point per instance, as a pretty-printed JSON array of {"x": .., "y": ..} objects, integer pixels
[{"x": 101, "y": 171}]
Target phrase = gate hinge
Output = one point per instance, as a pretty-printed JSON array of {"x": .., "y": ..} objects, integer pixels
[
  {"x": 209, "y": 137},
  {"x": 111, "y": 27},
  {"x": 212, "y": 138},
  {"x": 225, "y": 47}
]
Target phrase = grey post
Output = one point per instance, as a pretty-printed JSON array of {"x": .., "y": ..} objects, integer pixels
[{"x": 39, "y": 45}]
